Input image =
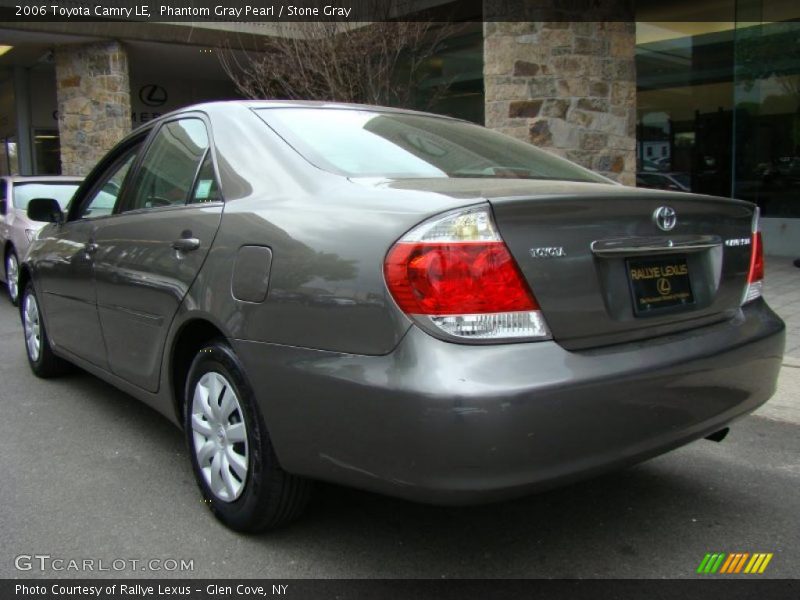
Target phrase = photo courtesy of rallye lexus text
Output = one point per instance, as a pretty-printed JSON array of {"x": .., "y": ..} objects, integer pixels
[
  {"x": 404, "y": 303},
  {"x": 136, "y": 590}
]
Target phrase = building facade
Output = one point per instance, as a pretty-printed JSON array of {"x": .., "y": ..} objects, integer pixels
[{"x": 712, "y": 106}]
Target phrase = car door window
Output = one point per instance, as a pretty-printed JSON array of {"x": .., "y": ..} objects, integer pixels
[
  {"x": 168, "y": 170},
  {"x": 206, "y": 188},
  {"x": 104, "y": 200}
]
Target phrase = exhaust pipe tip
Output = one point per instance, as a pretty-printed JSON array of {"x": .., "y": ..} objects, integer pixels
[{"x": 718, "y": 436}]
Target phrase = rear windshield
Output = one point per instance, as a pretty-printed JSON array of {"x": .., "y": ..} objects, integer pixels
[
  {"x": 61, "y": 192},
  {"x": 363, "y": 143},
  {"x": 682, "y": 178}
]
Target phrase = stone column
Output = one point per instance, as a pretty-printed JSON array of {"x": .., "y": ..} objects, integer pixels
[
  {"x": 567, "y": 87},
  {"x": 94, "y": 104}
]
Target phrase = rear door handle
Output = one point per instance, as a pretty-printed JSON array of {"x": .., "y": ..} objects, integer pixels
[{"x": 186, "y": 244}]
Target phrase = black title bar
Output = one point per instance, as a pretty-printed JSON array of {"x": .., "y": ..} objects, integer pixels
[
  {"x": 264, "y": 11},
  {"x": 401, "y": 589}
]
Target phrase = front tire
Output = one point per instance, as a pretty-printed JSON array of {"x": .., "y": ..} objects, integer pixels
[
  {"x": 229, "y": 446},
  {"x": 12, "y": 277},
  {"x": 41, "y": 359}
]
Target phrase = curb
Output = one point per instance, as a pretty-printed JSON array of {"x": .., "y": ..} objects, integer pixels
[{"x": 791, "y": 361}]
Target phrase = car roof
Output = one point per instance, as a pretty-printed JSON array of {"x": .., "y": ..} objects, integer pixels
[
  {"x": 232, "y": 105},
  {"x": 253, "y": 104},
  {"x": 42, "y": 178}
]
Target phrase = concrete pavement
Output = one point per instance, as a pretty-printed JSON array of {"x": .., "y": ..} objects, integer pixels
[
  {"x": 88, "y": 472},
  {"x": 782, "y": 291}
]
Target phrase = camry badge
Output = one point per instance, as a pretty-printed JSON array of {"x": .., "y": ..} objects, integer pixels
[
  {"x": 548, "y": 252},
  {"x": 665, "y": 218}
]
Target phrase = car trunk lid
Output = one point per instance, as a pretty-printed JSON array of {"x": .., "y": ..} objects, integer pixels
[
  {"x": 604, "y": 272},
  {"x": 576, "y": 244}
]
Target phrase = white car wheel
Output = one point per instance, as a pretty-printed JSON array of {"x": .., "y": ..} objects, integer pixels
[{"x": 12, "y": 276}]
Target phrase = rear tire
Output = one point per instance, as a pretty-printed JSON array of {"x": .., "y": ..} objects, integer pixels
[
  {"x": 41, "y": 359},
  {"x": 230, "y": 449},
  {"x": 12, "y": 277}
]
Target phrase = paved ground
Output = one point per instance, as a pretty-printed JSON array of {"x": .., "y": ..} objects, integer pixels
[
  {"x": 782, "y": 290},
  {"x": 87, "y": 472}
]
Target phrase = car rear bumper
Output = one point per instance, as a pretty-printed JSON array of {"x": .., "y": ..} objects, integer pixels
[{"x": 457, "y": 424}]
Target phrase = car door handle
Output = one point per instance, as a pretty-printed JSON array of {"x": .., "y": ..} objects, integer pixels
[
  {"x": 186, "y": 244},
  {"x": 90, "y": 248}
]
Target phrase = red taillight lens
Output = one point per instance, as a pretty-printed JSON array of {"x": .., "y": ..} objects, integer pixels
[
  {"x": 756, "y": 259},
  {"x": 434, "y": 278},
  {"x": 455, "y": 277},
  {"x": 755, "y": 275}
]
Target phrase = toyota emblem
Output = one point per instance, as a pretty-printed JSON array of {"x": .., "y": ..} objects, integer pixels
[{"x": 665, "y": 218}]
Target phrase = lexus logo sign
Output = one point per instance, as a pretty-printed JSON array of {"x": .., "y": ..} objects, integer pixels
[
  {"x": 665, "y": 218},
  {"x": 152, "y": 95}
]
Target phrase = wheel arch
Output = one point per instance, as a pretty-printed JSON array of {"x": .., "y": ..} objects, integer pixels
[
  {"x": 24, "y": 278},
  {"x": 192, "y": 335},
  {"x": 9, "y": 245}
]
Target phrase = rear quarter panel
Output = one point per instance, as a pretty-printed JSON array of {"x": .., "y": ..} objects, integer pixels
[{"x": 328, "y": 238}]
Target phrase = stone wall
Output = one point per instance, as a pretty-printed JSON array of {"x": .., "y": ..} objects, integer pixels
[
  {"x": 94, "y": 105},
  {"x": 567, "y": 87}
]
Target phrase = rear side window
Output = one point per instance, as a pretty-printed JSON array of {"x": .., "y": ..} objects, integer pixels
[
  {"x": 169, "y": 167},
  {"x": 206, "y": 188},
  {"x": 366, "y": 143}
]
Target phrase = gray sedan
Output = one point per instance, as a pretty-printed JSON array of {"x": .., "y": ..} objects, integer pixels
[
  {"x": 400, "y": 302},
  {"x": 16, "y": 230}
]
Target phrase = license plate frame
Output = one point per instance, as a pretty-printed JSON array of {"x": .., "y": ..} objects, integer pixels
[{"x": 659, "y": 284}]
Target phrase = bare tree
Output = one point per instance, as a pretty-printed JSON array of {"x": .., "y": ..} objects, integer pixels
[{"x": 384, "y": 62}]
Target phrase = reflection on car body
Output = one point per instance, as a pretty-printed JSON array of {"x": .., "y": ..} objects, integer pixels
[{"x": 16, "y": 230}]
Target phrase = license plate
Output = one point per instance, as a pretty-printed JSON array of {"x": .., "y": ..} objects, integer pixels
[{"x": 659, "y": 284}]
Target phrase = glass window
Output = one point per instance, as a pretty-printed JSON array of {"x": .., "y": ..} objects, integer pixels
[
  {"x": 719, "y": 104},
  {"x": 9, "y": 162},
  {"x": 25, "y": 192},
  {"x": 364, "y": 143},
  {"x": 450, "y": 81},
  {"x": 46, "y": 152},
  {"x": 767, "y": 113},
  {"x": 684, "y": 76},
  {"x": 105, "y": 199},
  {"x": 206, "y": 188},
  {"x": 170, "y": 165}
]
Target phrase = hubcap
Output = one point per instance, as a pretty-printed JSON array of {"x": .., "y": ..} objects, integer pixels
[
  {"x": 219, "y": 436},
  {"x": 32, "y": 326},
  {"x": 12, "y": 274}
]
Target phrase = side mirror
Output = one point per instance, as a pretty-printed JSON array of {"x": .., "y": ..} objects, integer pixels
[{"x": 46, "y": 210}]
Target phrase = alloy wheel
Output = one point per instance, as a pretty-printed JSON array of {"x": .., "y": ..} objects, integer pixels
[
  {"x": 12, "y": 276},
  {"x": 33, "y": 327},
  {"x": 220, "y": 436}
]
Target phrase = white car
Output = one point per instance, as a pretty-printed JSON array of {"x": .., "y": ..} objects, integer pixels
[{"x": 16, "y": 230}]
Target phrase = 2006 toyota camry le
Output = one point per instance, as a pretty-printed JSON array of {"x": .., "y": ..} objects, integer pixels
[{"x": 396, "y": 301}]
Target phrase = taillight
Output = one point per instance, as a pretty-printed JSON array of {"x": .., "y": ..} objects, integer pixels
[
  {"x": 454, "y": 275},
  {"x": 755, "y": 277}
]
